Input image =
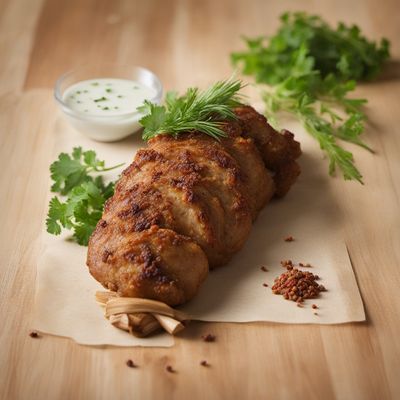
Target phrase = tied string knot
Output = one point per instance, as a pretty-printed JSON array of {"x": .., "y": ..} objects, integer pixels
[{"x": 141, "y": 317}]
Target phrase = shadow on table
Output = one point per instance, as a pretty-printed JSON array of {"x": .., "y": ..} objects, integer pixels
[{"x": 390, "y": 72}]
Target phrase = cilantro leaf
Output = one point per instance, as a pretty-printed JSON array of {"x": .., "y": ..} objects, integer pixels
[
  {"x": 77, "y": 153},
  {"x": 85, "y": 194},
  {"x": 82, "y": 233},
  {"x": 68, "y": 172},
  {"x": 56, "y": 216},
  {"x": 154, "y": 119}
]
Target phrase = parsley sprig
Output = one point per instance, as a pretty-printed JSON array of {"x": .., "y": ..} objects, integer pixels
[
  {"x": 196, "y": 110},
  {"x": 75, "y": 177},
  {"x": 311, "y": 68}
]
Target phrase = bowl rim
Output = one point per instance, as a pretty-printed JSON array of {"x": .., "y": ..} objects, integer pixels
[{"x": 67, "y": 108}]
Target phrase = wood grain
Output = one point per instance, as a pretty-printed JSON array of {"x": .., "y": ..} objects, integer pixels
[{"x": 187, "y": 43}]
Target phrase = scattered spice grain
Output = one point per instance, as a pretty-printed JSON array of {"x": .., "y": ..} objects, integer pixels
[
  {"x": 307, "y": 265},
  {"x": 209, "y": 338},
  {"x": 34, "y": 335},
  {"x": 169, "y": 368},
  {"x": 285, "y": 263},
  {"x": 289, "y": 238},
  {"x": 204, "y": 363},
  {"x": 314, "y": 306},
  {"x": 264, "y": 269},
  {"x": 265, "y": 284},
  {"x": 131, "y": 364}
]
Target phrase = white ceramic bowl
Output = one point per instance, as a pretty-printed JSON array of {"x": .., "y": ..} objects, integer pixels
[{"x": 106, "y": 128}]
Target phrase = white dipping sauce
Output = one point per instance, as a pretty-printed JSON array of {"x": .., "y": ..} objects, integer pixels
[
  {"x": 107, "y": 96},
  {"x": 105, "y": 109}
]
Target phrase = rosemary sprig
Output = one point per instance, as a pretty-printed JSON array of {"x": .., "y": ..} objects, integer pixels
[{"x": 196, "y": 110}]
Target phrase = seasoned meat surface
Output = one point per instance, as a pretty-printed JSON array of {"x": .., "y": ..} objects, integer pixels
[
  {"x": 186, "y": 204},
  {"x": 152, "y": 263},
  {"x": 279, "y": 151}
]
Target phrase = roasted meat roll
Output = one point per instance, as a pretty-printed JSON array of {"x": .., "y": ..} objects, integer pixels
[{"x": 186, "y": 204}]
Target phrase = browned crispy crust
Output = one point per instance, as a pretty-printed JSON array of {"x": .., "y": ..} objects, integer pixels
[
  {"x": 187, "y": 203},
  {"x": 279, "y": 151}
]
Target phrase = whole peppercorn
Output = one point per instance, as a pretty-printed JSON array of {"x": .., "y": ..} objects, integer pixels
[
  {"x": 169, "y": 368},
  {"x": 208, "y": 338},
  {"x": 131, "y": 364}
]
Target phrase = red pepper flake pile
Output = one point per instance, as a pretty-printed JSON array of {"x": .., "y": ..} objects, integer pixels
[
  {"x": 34, "y": 335},
  {"x": 208, "y": 338},
  {"x": 289, "y": 238},
  {"x": 297, "y": 285},
  {"x": 264, "y": 269},
  {"x": 131, "y": 364},
  {"x": 169, "y": 368},
  {"x": 204, "y": 363}
]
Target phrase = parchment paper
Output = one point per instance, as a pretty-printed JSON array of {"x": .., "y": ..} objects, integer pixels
[
  {"x": 65, "y": 303},
  {"x": 65, "y": 293},
  {"x": 236, "y": 293}
]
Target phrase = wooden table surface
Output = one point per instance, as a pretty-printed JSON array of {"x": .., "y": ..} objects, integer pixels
[{"x": 188, "y": 43}]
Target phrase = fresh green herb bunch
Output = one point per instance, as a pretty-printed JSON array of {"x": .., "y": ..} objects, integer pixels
[
  {"x": 323, "y": 107},
  {"x": 196, "y": 110},
  {"x": 308, "y": 65},
  {"x": 73, "y": 177},
  {"x": 343, "y": 51}
]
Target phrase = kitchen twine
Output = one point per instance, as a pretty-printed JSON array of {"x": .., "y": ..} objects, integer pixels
[{"x": 141, "y": 317}]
